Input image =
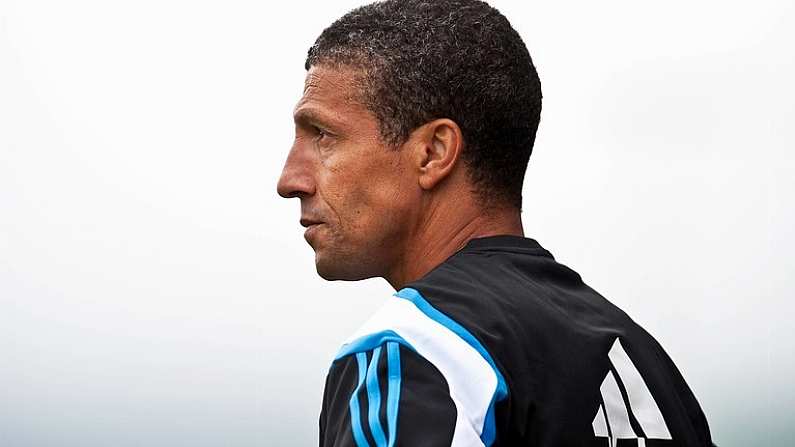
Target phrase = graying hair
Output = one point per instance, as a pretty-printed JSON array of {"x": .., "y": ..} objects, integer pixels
[{"x": 456, "y": 59}]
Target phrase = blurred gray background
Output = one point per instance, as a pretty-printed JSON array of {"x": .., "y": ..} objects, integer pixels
[{"x": 154, "y": 290}]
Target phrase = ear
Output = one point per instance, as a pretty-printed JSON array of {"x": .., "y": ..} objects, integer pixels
[{"x": 438, "y": 150}]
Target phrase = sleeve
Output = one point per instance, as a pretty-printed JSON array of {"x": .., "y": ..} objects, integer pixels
[{"x": 386, "y": 396}]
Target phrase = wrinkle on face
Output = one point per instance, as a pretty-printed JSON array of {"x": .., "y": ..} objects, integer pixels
[
  {"x": 330, "y": 99},
  {"x": 360, "y": 184}
]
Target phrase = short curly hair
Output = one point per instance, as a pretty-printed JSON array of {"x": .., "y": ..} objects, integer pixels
[{"x": 459, "y": 59}]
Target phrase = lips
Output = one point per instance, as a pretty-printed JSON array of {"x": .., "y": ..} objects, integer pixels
[
  {"x": 312, "y": 227},
  {"x": 306, "y": 222}
]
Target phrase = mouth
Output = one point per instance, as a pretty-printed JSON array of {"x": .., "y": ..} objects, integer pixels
[
  {"x": 311, "y": 225},
  {"x": 306, "y": 223}
]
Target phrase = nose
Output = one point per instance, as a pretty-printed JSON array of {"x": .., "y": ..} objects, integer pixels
[{"x": 297, "y": 179}]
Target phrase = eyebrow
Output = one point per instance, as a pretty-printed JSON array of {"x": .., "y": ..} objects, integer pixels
[{"x": 304, "y": 116}]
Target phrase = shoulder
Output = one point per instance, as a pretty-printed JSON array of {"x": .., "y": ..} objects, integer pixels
[
  {"x": 407, "y": 328},
  {"x": 407, "y": 318}
]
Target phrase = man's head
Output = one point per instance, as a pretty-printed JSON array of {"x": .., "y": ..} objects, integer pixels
[{"x": 408, "y": 103}]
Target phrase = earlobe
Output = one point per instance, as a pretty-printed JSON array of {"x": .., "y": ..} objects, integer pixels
[{"x": 441, "y": 143}]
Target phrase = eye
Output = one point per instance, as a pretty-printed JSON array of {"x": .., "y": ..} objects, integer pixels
[{"x": 321, "y": 134}]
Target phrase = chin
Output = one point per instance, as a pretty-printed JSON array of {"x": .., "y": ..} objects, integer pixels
[{"x": 334, "y": 270}]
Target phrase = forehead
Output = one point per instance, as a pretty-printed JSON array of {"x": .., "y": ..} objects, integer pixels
[{"x": 331, "y": 92}]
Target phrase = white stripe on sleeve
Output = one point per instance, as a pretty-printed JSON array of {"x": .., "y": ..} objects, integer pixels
[{"x": 471, "y": 380}]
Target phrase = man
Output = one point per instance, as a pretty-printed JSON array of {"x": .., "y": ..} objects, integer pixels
[{"x": 412, "y": 138}]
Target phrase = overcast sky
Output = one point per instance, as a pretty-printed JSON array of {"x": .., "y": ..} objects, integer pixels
[{"x": 155, "y": 291}]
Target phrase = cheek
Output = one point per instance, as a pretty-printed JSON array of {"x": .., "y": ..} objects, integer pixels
[
  {"x": 367, "y": 200},
  {"x": 346, "y": 201},
  {"x": 386, "y": 204}
]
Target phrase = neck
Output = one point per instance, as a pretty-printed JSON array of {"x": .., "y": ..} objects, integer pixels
[{"x": 438, "y": 237}]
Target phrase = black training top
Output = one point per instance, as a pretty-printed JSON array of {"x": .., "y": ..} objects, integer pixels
[{"x": 500, "y": 345}]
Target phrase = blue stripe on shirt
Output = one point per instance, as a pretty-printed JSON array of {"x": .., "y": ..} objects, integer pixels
[
  {"x": 374, "y": 400},
  {"x": 393, "y": 390},
  {"x": 356, "y": 420}
]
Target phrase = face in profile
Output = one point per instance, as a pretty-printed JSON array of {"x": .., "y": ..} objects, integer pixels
[{"x": 355, "y": 190}]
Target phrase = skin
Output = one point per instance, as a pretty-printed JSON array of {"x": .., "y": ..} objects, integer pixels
[{"x": 372, "y": 210}]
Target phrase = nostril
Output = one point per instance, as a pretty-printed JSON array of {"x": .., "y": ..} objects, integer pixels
[
  {"x": 284, "y": 190},
  {"x": 290, "y": 195},
  {"x": 292, "y": 186}
]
